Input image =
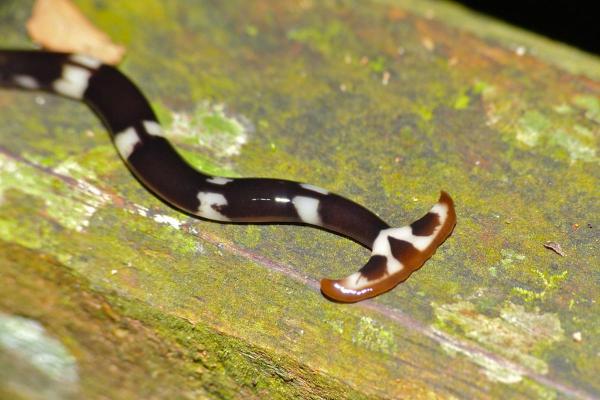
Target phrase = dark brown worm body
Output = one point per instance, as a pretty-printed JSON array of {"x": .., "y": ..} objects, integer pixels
[{"x": 139, "y": 139}]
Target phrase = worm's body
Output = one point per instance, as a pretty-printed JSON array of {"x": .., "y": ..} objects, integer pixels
[{"x": 139, "y": 139}]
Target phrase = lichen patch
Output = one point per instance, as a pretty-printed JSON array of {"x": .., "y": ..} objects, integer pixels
[
  {"x": 74, "y": 209},
  {"x": 211, "y": 126},
  {"x": 516, "y": 334},
  {"x": 374, "y": 336}
]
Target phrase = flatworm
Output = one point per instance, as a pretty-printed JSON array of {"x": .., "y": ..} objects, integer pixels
[{"x": 139, "y": 139}]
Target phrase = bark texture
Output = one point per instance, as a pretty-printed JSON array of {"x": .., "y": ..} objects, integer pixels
[{"x": 385, "y": 102}]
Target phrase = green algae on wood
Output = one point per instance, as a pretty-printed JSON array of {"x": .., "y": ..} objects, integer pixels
[
  {"x": 379, "y": 101},
  {"x": 109, "y": 334}
]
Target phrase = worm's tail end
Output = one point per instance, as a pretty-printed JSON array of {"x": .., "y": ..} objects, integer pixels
[{"x": 397, "y": 253}]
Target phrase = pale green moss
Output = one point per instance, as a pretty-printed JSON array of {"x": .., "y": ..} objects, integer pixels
[
  {"x": 73, "y": 211},
  {"x": 492, "y": 369},
  {"x": 485, "y": 89},
  {"x": 377, "y": 65},
  {"x": 373, "y": 336},
  {"x": 462, "y": 101},
  {"x": 211, "y": 127},
  {"x": 591, "y": 105},
  {"x": 548, "y": 283},
  {"x": 321, "y": 39},
  {"x": 575, "y": 147},
  {"x": 532, "y": 126},
  {"x": 516, "y": 334},
  {"x": 510, "y": 257}
]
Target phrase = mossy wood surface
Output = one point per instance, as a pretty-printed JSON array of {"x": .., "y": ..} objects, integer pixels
[{"x": 385, "y": 102}]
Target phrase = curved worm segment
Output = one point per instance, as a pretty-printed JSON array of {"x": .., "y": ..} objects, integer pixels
[
  {"x": 153, "y": 160},
  {"x": 397, "y": 253}
]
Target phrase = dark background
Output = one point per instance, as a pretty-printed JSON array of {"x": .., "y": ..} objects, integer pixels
[{"x": 573, "y": 22}]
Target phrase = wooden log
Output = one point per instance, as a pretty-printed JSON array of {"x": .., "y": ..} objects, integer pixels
[{"x": 385, "y": 102}]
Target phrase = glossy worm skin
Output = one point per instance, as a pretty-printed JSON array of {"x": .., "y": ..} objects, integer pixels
[{"x": 139, "y": 139}]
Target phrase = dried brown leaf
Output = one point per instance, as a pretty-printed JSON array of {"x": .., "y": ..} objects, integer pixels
[
  {"x": 555, "y": 247},
  {"x": 59, "y": 25}
]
